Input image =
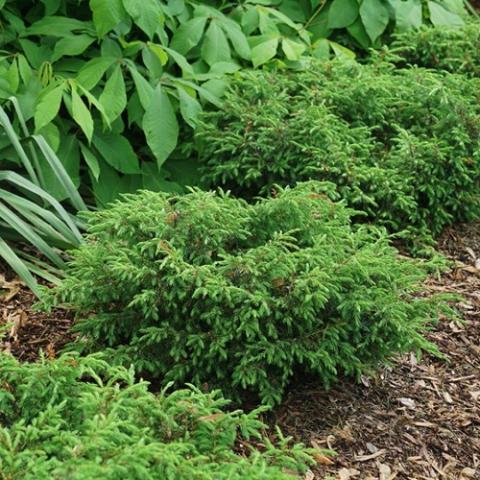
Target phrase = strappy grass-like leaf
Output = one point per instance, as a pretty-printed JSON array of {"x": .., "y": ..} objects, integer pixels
[{"x": 29, "y": 212}]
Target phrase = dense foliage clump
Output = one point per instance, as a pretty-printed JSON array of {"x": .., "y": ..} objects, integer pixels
[
  {"x": 113, "y": 85},
  {"x": 80, "y": 418},
  {"x": 403, "y": 146},
  {"x": 454, "y": 50},
  {"x": 205, "y": 288}
]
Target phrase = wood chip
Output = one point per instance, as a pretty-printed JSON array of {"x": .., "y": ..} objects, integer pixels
[{"x": 366, "y": 458}]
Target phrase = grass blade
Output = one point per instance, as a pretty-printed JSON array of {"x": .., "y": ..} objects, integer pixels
[
  {"x": 26, "y": 231},
  {"x": 21, "y": 182},
  {"x": 26, "y": 207},
  {"x": 12, "y": 135},
  {"x": 19, "y": 267},
  {"x": 60, "y": 173}
]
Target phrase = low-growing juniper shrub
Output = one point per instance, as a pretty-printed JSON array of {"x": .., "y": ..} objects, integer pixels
[
  {"x": 402, "y": 146},
  {"x": 84, "y": 419},
  {"x": 442, "y": 48},
  {"x": 208, "y": 289}
]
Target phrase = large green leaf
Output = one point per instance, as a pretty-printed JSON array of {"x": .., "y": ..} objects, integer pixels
[
  {"x": 408, "y": 14},
  {"x": 342, "y": 13},
  {"x": 237, "y": 38},
  {"x": 82, "y": 115},
  {"x": 341, "y": 51},
  {"x": 91, "y": 161},
  {"x": 25, "y": 69},
  {"x": 293, "y": 50},
  {"x": 265, "y": 51},
  {"x": 375, "y": 17},
  {"x": 144, "y": 89},
  {"x": 71, "y": 46},
  {"x": 215, "y": 46},
  {"x": 439, "y": 15},
  {"x": 107, "y": 14},
  {"x": 111, "y": 184},
  {"x": 93, "y": 71},
  {"x": 181, "y": 61},
  {"x": 54, "y": 26},
  {"x": 188, "y": 35},
  {"x": 160, "y": 126},
  {"x": 159, "y": 52},
  {"x": 358, "y": 32},
  {"x": 321, "y": 49},
  {"x": 147, "y": 14},
  {"x": 51, "y": 6},
  {"x": 48, "y": 106},
  {"x": 117, "y": 152},
  {"x": 114, "y": 95},
  {"x": 190, "y": 108},
  {"x": 156, "y": 180}
]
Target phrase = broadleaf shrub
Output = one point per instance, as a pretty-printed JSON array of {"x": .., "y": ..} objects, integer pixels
[
  {"x": 205, "y": 288},
  {"x": 114, "y": 85},
  {"x": 81, "y": 418},
  {"x": 403, "y": 146},
  {"x": 451, "y": 49}
]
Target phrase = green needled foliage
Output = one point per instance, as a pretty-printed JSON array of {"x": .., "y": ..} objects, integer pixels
[
  {"x": 455, "y": 50},
  {"x": 207, "y": 288},
  {"x": 81, "y": 418},
  {"x": 403, "y": 146}
]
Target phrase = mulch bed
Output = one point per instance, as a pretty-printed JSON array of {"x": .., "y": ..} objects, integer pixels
[
  {"x": 30, "y": 333},
  {"x": 416, "y": 419}
]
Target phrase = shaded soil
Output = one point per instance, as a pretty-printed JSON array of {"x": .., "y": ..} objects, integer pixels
[
  {"x": 417, "y": 419},
  {"x": 30, "y": 333}
]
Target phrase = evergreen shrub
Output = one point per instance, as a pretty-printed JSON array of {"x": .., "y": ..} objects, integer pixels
[
  {"x": 451, "y": 49},
  {"x": 402, "y": 146},
  {"x": 206, "y": 288},
  {"x": 83, "y": 419}
]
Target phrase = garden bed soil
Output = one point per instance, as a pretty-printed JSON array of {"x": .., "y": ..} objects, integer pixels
[
  {"x": 30, "y": 333},
  {"x": 417, "y": 419}
]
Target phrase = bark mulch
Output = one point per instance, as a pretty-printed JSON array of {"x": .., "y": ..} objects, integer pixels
[
  {"x": 30, "y": 333},
  {"x": 416, "y": 419}
]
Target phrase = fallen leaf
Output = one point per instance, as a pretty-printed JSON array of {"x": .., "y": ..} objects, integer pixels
[
  {"x": 320, "y": 457},
  {"x": 323, "y": 459},
  {"x": 309, "y": 475},
  {"x": 447, "y": 397},
  {"x": 347, "y": 473},
  {"x": 475, "y": 395},
  {"x": 51, "y": 354},
  {"x": 371, "y": 447},
  {"x": 407, "y": 402},
  {"x": 468, "y": 472},
  {"x": 385, "y": 472},
  {"x": 19, "y": 319},
  {"x": 365, "y": 380},
  {"x": 471, "y": 253},
  {"x": 12, "y": 288}
]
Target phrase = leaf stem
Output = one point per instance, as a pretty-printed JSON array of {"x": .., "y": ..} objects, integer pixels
[{"x": 315, "y": 14}]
